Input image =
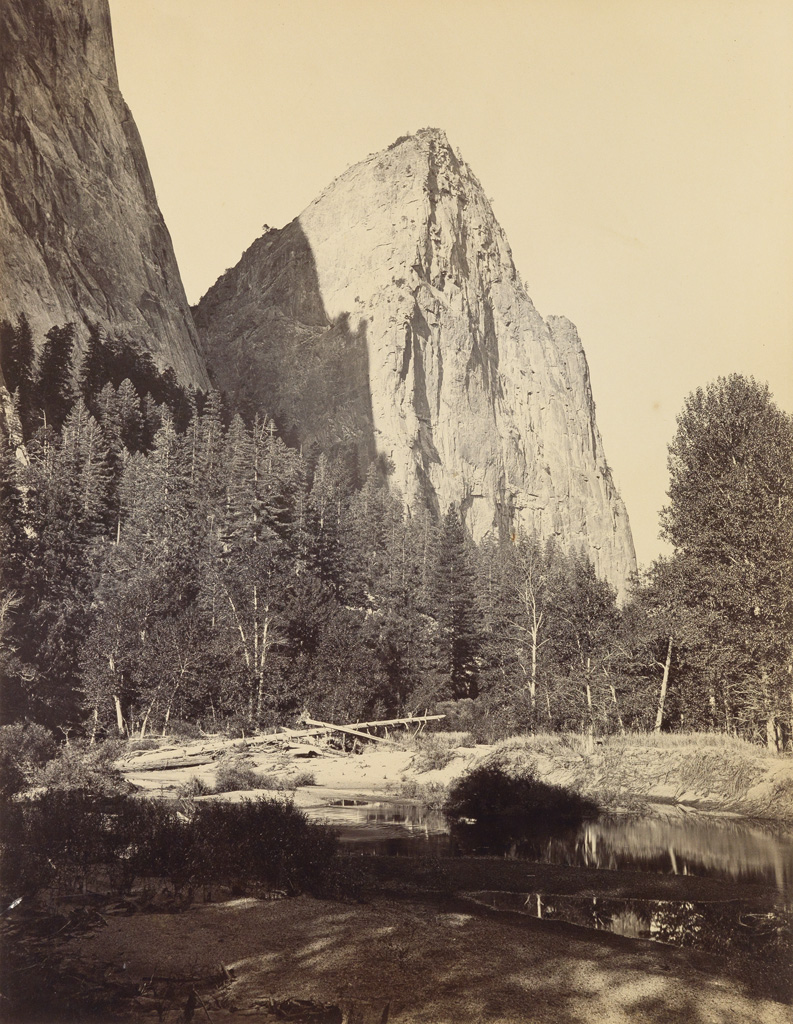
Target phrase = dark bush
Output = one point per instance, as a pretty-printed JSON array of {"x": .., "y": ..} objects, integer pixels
[
  {"x": 180, "y": 729},
  {"x": 264, "y": 841},
  {"x": 56, "y": 838},
  {"x": 88, "y": 768},
  {"x": 24, "y": 748},
  {"x": 238, "y": 726},
  {"x": 515, "y": 805},
  {"x": 67, "y": 838},
  {"x": 233, "y": 774}
]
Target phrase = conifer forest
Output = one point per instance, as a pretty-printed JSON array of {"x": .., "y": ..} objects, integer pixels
[{"x": 169, "y": 566}]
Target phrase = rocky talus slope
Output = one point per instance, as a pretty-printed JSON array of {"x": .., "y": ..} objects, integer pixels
[
  {"x": 82, "y": 234},
  {"x": 390, "y": 314}
]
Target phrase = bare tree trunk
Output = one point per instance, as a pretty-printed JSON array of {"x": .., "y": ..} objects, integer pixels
[
  {"x": 613, "y": 689},
  {"x": 262, "y": 656},
  {"x": 590, "y": 729},
  {"x": 119, "y": 716},
  {"x": 170, "y": 705},
  {"x": 729, "y": 725},
  {"x": 659, "y": 717},
  {"x": 772, "y": 734}
]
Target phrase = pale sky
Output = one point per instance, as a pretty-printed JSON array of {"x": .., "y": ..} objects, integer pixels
[{"x": 638, "y": 154}]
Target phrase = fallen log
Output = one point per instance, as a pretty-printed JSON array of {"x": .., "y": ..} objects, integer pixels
[
  {"x": 349, "y": 731},
  {"x": 165, "y": 764},
  {"x": 410, "y": 720}
]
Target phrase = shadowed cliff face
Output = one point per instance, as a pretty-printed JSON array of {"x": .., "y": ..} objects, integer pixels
[
  {"x": 284, "y": 356},
  {"x": 83, "y": 236},
  {"x": 472, "y": 395}
]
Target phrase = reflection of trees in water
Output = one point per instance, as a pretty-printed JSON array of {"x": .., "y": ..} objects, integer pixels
[
  {"x": 691, "y": 846},
  {"x": 715, "y": 927},
  {"x": 725, "y": 928}
]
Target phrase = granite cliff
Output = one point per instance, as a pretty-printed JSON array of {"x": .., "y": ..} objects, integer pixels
[
  {"x": 82, "y": 234},
  {"x": 390, "y": 313}
]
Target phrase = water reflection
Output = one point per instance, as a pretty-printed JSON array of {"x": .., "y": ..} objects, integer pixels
[
  {"x": 726, "y": 928},
  {"x": 681, "y": 845},
  {"x": 676, "y": 843},
  {"x": 389, "y": 827}
]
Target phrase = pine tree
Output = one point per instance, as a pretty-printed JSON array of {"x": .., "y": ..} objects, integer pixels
[
  {"x": 17, "y": 358},
  {"x": 84, "y": 460},
  {"x": 17, "y": 354},
  {"x": 94, "y": 370},
  {"x": 54, "y": 381},
  {"x": 453, "y": 591},
  {"x": 130, "y": 416}
]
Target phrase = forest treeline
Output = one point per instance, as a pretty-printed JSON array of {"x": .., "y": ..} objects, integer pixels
[{"x": 168, "y": 566}]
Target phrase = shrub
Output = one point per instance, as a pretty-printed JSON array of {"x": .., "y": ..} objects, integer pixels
[
  {"x": 303, "y": 779},
  {"x": 266, "y": 841},
  {"x": 24, "y": 749},
  {"x": 147, "y": 743},
  {"x": 433, "y": 794},
  {"x": 434, "y": 752},
  {"x": 64, "y": 838},
  {"x": 193, "y": 787},
  {"x": 516, "y": 804},
  {"x": 488, "y": 719},
  {"x": 233, "y": 775},
  {"x": 84, "y": 768}
]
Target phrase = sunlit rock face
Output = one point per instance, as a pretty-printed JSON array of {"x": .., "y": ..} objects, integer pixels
[
  {"x": 82, "y": 234},
  {"x": 391, "y": 311}
]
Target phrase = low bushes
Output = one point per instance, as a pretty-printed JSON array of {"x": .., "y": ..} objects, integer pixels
[
  {"x": 68, "y": 839},
  {"x": 24, "y": 749},
  {"x": 233, "y": 775},
  {"x": 514, "y": 805},
  {"x": 80, "y": 767},
  {"x": 433, "y": 752}
]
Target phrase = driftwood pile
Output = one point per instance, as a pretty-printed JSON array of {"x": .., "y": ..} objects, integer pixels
[{"x": 310, "y": 731}]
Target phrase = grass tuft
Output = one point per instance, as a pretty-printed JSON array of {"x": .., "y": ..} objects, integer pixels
[{"x": 434, "y": 751}]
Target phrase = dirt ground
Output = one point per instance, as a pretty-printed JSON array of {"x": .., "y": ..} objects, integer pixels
[{"x": 413, "y": 961}]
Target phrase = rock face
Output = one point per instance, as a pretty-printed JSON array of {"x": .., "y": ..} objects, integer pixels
[
  {"x": 82, "y": 235},
  {"x": 390, "y": 311}
]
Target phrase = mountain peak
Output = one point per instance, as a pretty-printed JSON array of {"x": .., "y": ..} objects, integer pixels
[{"x": 390, "y": 315}]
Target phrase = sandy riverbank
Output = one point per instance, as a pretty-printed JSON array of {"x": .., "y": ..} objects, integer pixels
[{"x": 733, "y": 777}]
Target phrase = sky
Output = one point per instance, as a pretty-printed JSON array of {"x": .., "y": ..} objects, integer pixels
[{"x": 637, "y": 153}]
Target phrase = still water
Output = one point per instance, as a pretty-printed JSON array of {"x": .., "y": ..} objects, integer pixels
[
  {"x": 671, "y": 843},
  {"x": 730, "y": 927}
]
